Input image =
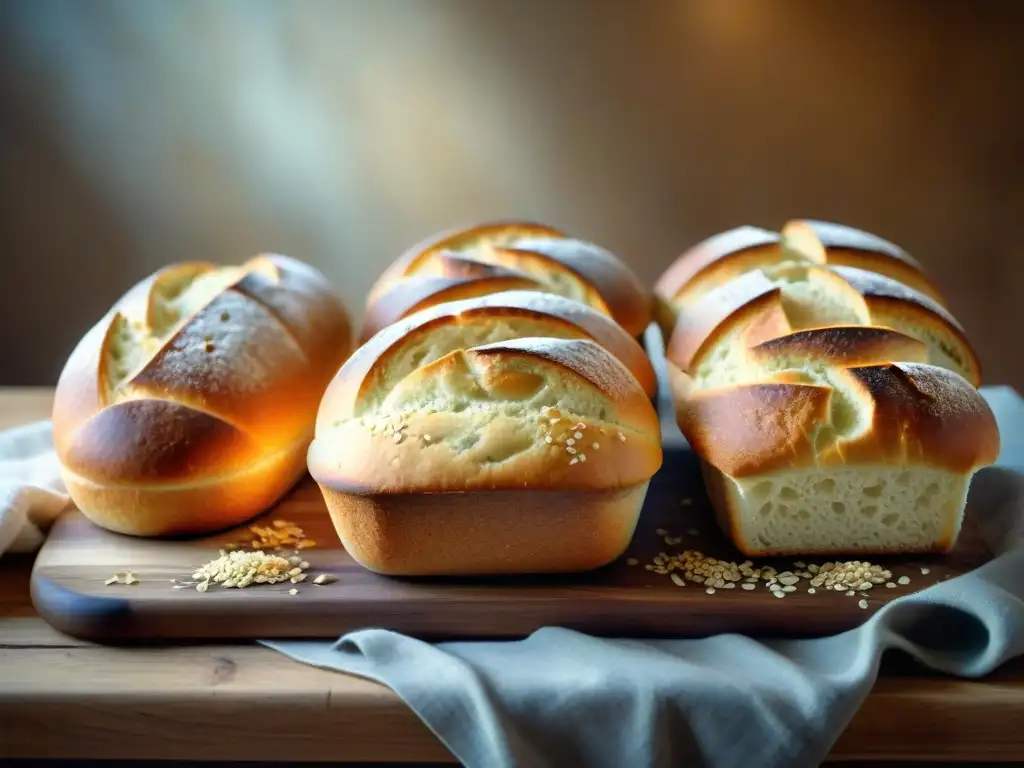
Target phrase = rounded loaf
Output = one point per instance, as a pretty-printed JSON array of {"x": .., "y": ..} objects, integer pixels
[
  {"x": 570, "y": 267},
  {"x": 827, "y": 390},
  {"x": 525, "y": 455},
  {"x": 189, "y": 407}
]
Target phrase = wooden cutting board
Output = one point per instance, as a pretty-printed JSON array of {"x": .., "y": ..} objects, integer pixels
[{"x": 622, "y": 599}]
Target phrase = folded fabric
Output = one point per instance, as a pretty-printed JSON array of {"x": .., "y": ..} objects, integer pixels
[
  {"x": 561, "y": 698},
  {"x": 32, "y": 493}
]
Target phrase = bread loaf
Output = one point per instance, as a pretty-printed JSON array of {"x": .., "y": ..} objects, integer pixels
[
  {"x": 718, "y": 259},
  {"x": 551, "y": 261},
  {"x": 189, "y": 407},
  {"x": 834, "y": 409},
  {"x": 442, "y": 449}
]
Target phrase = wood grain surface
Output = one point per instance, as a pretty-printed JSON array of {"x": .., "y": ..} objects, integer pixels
[{"x": 621, "y": 599}]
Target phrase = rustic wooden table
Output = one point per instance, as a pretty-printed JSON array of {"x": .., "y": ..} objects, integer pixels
[{"x": 64, "y": 698}]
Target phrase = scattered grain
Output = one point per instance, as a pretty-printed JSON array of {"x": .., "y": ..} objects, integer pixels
[
  {"x": 904, "y": 580},
  {"x": 112, "y": 580},
  {"x": 863, "y": 604},
  {"x": 324, "y": 578},
  {"x": 710, "y": 590},
  {"x": 677, "y": 580},
  {"x": 748, "y": 586},
  {"x": 925, "y": 571},
  {"x": 890, "y": 584},
  {"x": 293, "y": 591}
]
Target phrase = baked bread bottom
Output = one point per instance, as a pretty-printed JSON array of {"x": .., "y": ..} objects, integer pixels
[
  {"x": 486, "y": 532},
  {"x": 212, "y": 504}
]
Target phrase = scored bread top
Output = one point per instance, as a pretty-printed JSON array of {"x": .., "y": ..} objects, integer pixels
[
  {"x": 720, "y": 258},
  {"x": 425, "y": 336},
  {"x": 838, "y": 245},
  {"x": 199, "y": 371},
  {"x": 715, "y": 331},
  {"x": 570, "y": 267},
  {"x": 457, "y": 239},
  {"x": 446, "y": 276},
  {"x": 824, "y": 415},
  {"x": 732, "y": 252},
  {"x": 628, "y": 301},
  {"x": 526, "y": 413}
]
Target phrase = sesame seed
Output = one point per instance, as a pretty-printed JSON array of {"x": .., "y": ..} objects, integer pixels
[
  {"x": 570, "y": 441},
  {"x": 890, "y": 584},
  {"x": 582, "y": 457},
  {"x": 426, "y": 438},
  {"x": 811, "y": 590},
  {"x": 850, "y": 593},
  {"x": 925, "y": 571},
  {"x": 547, "y": 438},
  {"x": 863, "y": 604},
  {"x": 595, "y": 446},
  {"x": 293, "y": 591},
  {"x": 570, "y": 450},
  {"x": 622, "y": 438},
  {"x": 747, "y": 586},
  {"x": 904, "y": 580},
  {"x": 710, "y": 590},
  {"x": 677, "y": 580},
  {"x": 779, "y": 593},
  {"x": 578, "y": 435}
]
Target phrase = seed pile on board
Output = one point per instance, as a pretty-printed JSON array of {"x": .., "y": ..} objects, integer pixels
[
  {"x": 691, "y": 566},
  {"x": 265, "y": 563},
  {"x": 280, "y": 534}
]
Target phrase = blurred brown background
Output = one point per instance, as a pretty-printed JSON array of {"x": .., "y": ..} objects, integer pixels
[{"x": 137, "y": 133}]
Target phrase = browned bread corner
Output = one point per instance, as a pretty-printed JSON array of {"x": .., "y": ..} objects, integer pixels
[{"x": 188, "y": 408}]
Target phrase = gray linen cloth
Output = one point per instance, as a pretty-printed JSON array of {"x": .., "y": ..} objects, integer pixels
[{"x": 562, "y": 698}]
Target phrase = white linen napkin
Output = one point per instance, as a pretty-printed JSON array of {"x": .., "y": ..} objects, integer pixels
[{"x": 32, "y": 493}]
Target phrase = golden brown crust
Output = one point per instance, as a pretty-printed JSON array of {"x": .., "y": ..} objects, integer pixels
[
  {"x": 487, "y": 532},
  {"x": 496, "y": 317},
  {"x": 728, "y": 255},
  {"x": 908, "y": 414},
  {"x": 744, "y": 244},
  {"x": 414, "y": 294},
  {"x": 456, "y": 239},
  {"x": 754, "y": 308},
  {"x": 843, "y": 246},
  {"x": 842, "y": 345},
  {"x": 500, "y": 416},
  {"x": 630, "y": 303},
  {"x": 197, "y": 375}
]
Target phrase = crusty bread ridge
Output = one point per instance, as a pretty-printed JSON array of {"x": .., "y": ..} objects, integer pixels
[
  {"x": 557, "y": 263},
  {"x": 835, "y": 410},
  {"x": 188, "y": 408},
  {"x": 718, "y": 259},
  {"x": 486, "y": 459},
  {"x": 763, "y": 303}
]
